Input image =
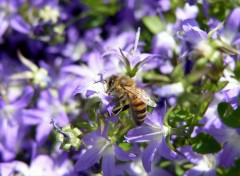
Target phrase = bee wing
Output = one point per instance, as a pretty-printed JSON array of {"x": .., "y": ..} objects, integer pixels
[{"x": 140, "y": 93}]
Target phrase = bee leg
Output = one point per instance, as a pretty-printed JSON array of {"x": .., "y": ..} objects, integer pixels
[{"x": 122, "y": 108}]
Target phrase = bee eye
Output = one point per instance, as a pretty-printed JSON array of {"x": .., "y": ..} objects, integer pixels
[{"x": 111, "y": 82}]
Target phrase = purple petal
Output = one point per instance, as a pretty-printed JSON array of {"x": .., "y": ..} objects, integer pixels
[
  {"x": 6, "y": 154},
  {"x": 194, "y": 172},
  {"x": 219, "y": 134},
  {"x": 19, "y": 24},
  {"x": 150, "y": 59},
  {"x": 236, "y": 40},
  {"x": 212, "y": 172},
  {"x": 228, "y": 155},
  {"x": 90, "y": 92},
  {"x": 148, "y": 155},
  {"x": 90, "y": 138},
  {"x": 190, "y": 155},
  {"x": 142, "y": 134},
  {"x": 157, "y": 117},
  {"x": 193, "y": 34},
  {"x": 122, "y": 155},
  {"x": 43, "y": 131},
  {"x": 77, "y": 70},
  {"x": 25, "y": 98},
  {"x": 192, "y": 2},
  {"x": 167, "y": 153},
  {"x": 159, "y": 171},
  {"x": 187, "y": 12},
  {"x": 191, "y": 22},
  {"x": 33, "y": 116},
  {"x": 233, "y": 21},
  {"x": 95, "y": 61},
  {"x": 66, "y": 91},
  {"x": 12, "y": 137},
  {"x": 108, "y": 163},
  {"x": 4, "y": 25},
  {"x": 89, "y": 158}
]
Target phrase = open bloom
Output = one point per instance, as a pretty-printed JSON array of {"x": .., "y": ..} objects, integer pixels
[
  {"x": 132, "y": 62},
  {"x": 10, "y": 119},
  {"x": 100, "y": 147},
  {"x": 10, "y": 18},
  {"x": 204, "y": 164},
  {"x": 38, "y": 76},
  {"x": 228, "y": 136},
  {"x": 154, "y": 133}
]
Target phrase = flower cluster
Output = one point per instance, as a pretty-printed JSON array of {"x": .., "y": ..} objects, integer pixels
[{"x": 58, "y": 117}]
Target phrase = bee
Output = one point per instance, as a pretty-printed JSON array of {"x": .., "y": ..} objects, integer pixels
[{"x": 124, "y": 89}]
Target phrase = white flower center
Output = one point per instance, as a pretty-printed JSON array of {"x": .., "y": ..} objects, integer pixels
[
  {"x": 49, "y": 14},
  {"x": 207, "y": 163}
]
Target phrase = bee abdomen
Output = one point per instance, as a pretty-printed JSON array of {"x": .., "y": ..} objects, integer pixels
[{"x": 139, "y": 109}]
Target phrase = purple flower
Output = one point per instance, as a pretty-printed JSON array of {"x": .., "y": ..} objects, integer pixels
[
  {"x": 164, "y": 45},
  {"x": 42, "y": 165},
  {"x": 230, "y": 33},
  {"x": 204, "y": 164},
  {"x": 11, "y": 119},
  {"x": 230, "y": 138},
  {"x": 99, "y": 147},
  {"x": 133, "y": 62},
  {"x": 232, "y": 89},
  {"x": 154, "y": 133},
  {"x": 225, "y": 135},
  {"x": 167, "y": 90},
  {"x": 89, "y": 73},
  {"x": 192, "y": 32},
  {"x": 38, "y": 76},
  {"x": 187, "y": 12},
  {"x": 10, "y": 17}
]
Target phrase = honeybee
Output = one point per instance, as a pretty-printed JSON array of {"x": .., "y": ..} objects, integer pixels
[{"x": 124, "y": 88}]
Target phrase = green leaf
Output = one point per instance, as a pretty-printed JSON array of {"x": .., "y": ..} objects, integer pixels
[
  {"x": 237, "y": 70},
  {"x": 91, "y": 106},
  {"x": 178, "y": 73},
  {"x": 214, "y": 87},
  {"x": 151, "y": 76},
  {"x": 204, "y": 105},
  {"x": 84, "y": 124},
  {"x": 153, "y": 23},
  {"x": 195, "y": 76},
  {"x": 126, "y": 62},
  {"x": 181, "y": 114},
  {"x": 204, "y": 143},
  {"x": 228, "y": 115},
  {"x": 100, "y": 7}
]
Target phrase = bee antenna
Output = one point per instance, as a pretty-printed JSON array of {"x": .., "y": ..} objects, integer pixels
[{"x": 104, "y": 81}]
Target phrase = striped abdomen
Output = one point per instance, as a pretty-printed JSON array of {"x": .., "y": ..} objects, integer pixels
[{"x": 139, "y": 110}]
